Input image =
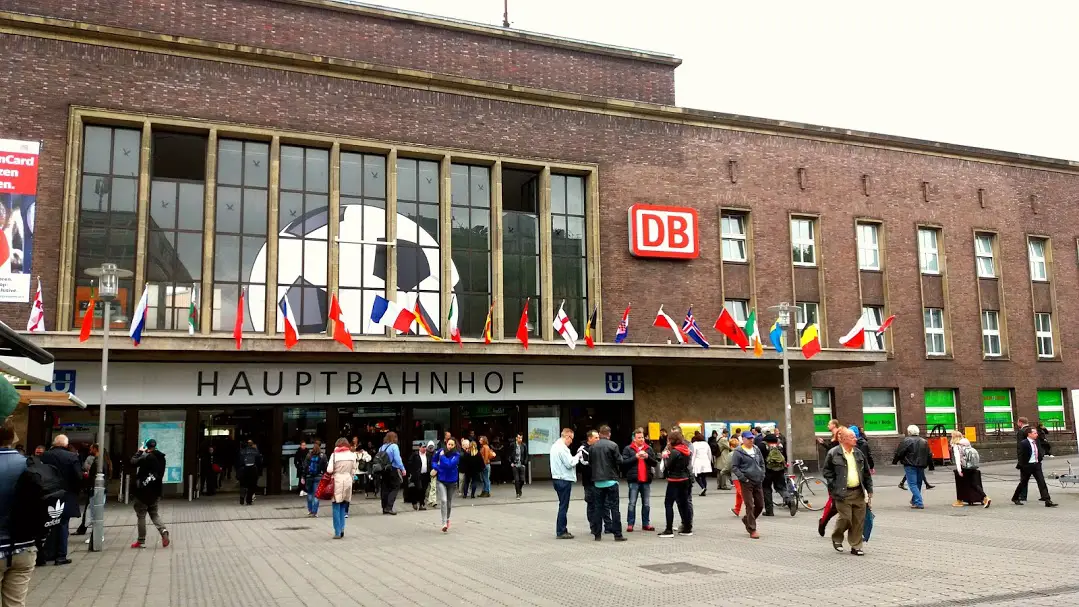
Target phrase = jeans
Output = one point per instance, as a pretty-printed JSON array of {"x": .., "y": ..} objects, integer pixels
[
  {"x": 563, "y": 489},
  {"x": 487, "y": 479},
  {"x": 141, "y": 510},
  {"x": 445, "y": 499},
  {"x": 339, "y": 518},
  {"x": 15, "y": 578},
  {"x": 914, "y": 481},
  {"x": 312, "y": 490},
  {"x": 644, "y": 490},
  {"x": 702, "y": 482},
  {"x": 519, "y": 478},
  {"x": 678, "y": 492},
  {"x": 605, "y": 516}
]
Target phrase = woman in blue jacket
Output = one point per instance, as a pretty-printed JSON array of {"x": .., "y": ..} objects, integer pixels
[{"x": 445, "y": 463}]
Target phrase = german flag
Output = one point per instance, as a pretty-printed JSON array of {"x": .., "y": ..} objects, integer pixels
[
  {"x": 487, "y": 325},
  {"x": 423, "y": 319},
  {"x": 590, "y": 328}
]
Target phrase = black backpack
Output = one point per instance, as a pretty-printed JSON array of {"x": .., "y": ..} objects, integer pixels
[
  {"x": 381, "y": 462},
  {"x": 40, "y": 495}
]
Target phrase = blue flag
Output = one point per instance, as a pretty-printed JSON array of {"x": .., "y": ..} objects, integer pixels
[{"x": 775, "y": 335}]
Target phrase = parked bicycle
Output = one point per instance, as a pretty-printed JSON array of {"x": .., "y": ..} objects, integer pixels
[{"x": 810, "y": 492}]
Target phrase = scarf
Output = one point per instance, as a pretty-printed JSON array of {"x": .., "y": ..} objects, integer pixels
[{"x": 642, "y": 467}]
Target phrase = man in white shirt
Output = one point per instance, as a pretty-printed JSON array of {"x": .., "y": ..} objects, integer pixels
[
  {"x": 419, "y": 477},
  {"x": 1030, "y": 464},
  {"x": 563, "y": 473}
]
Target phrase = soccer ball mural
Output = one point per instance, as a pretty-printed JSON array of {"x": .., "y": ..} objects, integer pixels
[{"x": 302, "y": 268}]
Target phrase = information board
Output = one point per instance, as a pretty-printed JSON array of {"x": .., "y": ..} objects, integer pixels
[{"x": 170, "y": 441}]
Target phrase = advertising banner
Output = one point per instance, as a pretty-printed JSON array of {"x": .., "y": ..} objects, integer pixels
[{"x": 18, "y": 202}]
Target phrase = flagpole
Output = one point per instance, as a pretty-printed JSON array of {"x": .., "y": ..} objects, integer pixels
[{"x": 783, "y": 319}]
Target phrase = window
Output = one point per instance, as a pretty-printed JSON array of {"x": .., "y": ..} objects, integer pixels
[
  {"x": 822, "y": 411},
  {"x": 1038, "y": 267},
  {"x": 803, "y": 242},
  {"x": 991, "y": 333},
  {"x": 997, "y": 405},
  {"x": 868, "y": 246},
  {"x": 733, "y": 226},
  {"x": 940, "y": 409},
  {"x": 243, "y": 177},
  {"x": 174, "y": 246},
  {"x": 470, "y": 242},
  {"x": 520, "y": 247},
  {"x": 1051, "y": 409},
  {"x": 419, "y": 258},
  {"x": 108, "y": 223},
  {"x": 874, "y": 316},
  {"x": 983, "y": 254},
  {"x": 738, "y": 309},
  {"x": 362, "y": 267},
  {"x": 927, "y": 250},
  {"x": 806, "y": 315},
  {"x": 302, "y": 245},
  {"x": 1043, "y": 332},
  {"x": 569, "y": 255},
  {"x": 878, "y": 411},
  {"x": 934, "y": 332}
]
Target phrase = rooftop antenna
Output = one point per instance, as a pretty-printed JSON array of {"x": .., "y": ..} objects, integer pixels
[{"x": 505, "y": 13}]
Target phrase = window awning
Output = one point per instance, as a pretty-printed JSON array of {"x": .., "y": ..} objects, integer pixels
[{"x": 22, "y": 358}]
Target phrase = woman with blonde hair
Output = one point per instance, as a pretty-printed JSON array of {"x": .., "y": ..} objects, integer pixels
[
  {"x": 342, "y": 464},
  {"x": 961, "y": 486}
]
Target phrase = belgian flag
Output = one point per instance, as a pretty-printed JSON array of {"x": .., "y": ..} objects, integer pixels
[{"x": 590, "y": 328}]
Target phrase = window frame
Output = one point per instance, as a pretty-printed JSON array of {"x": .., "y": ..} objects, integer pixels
[
  {"x": 826, "y": 409},
  {"x": 892, "y": 410},
  {"x": 803, "y": 312},
  {"x": 1040, "y": 334},
  {"x": 800, "y": 241},
  {"x": 874, "y": 342},
  {"x": 980, "y": 255},
  {"x": 867, "y": 227},
  {"x": 735, "y": 238},
  {"x": 989, "y": 333},
  {"x": 927, "y": 315},
  {"x": 1036, "y": 261},
  {"x": 924, "y": 252}
]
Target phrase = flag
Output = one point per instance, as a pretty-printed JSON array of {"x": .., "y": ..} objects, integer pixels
[
  {"x": 455, "y": 331},
  {"x": 666, "y": 322},
  {"x": 423, "y": 320},
  {"x": 776, "y": 335},
  {"x": 138, "y": 319},
  {"x": 487, "y": 325},
  {"x": 36, "y": 323},
  {"x": 725, "y": 324},
  {"x": 690, "y": 328},
  {"x": 564, "y": 327},
  {"x": 884, "y": 325},
  {"x": 292, "y": 335},
  {"x": 855, "y": 338},
  {"x": 238, "y": 328},
  {"x": 340, "y": 330},
  {"x": 623, "y": 328},
  {"x": 192, "y": 314},
  {"x": 754, "y": 334},
  {"x": 590, "y": 328},
  {"x": 388, "y": 314},
  {"x": 522, "y": 326},
  {"x": 810, "y": 341},
  {"x": 87, "y": 318}
]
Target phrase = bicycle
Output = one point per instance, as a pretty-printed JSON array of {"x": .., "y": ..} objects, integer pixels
[{"x": 809, "y": 491}]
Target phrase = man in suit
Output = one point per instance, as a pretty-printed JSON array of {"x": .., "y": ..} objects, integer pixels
[
  {"x": 67, "y": 464},
  {"x": 419, "y": 477},
  {"x": 1030, "y": 464},
  {"x": 1021, "y": 437}
]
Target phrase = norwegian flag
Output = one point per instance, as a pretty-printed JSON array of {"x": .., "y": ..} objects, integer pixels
[{"x": 690, "y": 328}]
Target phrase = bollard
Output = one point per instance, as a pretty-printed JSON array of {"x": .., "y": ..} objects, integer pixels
[
  {"x": 120, "y": 489},
  {"x": 190, "y": 487},
  {"x": 127, "y": 488}
]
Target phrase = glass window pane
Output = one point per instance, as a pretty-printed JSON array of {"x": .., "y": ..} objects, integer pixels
[
  {"x": 351, "y": 174},
  {"x": 480, "y": 186},
  {"x": 189, "y": 250},
  {"x": 163, "y": 205},
  {"x": 291, "y": 167},
  {"x": 374, "y": 177},
  {"x": 229, "y": 162},
  {"x": 228, "y": 209},
  {"x": 189, "y": 206},
  {"x": 227, "y": 258},
  {"x": 575, "y": 234},
  {"x": 251, "y": 259},
  {"x": 125, "y": 152},
  {"x": 123, "y": 196},
  {"x": 459, "y": 185},
  {"x": 316, "y": 207},
  {"x": 558, "y": 194},
  {"x": 256, "y": 164},
  {"x": 317, "y": 170},
  {"x": 575, "y": 195},
  {"x": 254, "y": 210},
  {"x": 406, "y": 179},
  {"x": 290, "y": 209},
  {"x": 428, "y": 181},
  {"x": 97, "y": 149},
  {"x": 95, "y": 193}
]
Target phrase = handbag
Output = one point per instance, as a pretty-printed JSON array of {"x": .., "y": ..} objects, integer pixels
[
  {"x": 867, "y": 528},
  {"x": 325, "y": 487}
]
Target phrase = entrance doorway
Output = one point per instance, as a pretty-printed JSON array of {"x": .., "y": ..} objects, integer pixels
[
  {"x": 368, "y": 424},
  {"x": 227, "y": 431}
]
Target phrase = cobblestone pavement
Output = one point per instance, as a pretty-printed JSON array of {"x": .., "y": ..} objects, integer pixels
[{"x": 503, "y": 552}]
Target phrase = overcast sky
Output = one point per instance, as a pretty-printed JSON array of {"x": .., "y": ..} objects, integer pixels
[{"x": 995, "y": 73}]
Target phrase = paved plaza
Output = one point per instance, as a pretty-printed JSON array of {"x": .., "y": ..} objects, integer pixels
[{"x": 503, "y": 552}]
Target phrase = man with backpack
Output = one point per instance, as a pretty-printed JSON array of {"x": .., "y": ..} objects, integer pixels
[
  {"x": 149, "y": 471},
  {"x": 67, "y": 465},
  {"x": 775, "y": 475},
  {"x": 314, "y": 465},
  {"x": 248, "y": 470},
  {"x": 18, "y": 549}
]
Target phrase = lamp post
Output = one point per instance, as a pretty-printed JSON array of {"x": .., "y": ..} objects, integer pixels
[
  {"x": 783, "y": 319},
  {"x": 108, "y": 285}
]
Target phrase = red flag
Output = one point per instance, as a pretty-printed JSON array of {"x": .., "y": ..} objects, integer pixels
[
  {"x": 522, "y": 327},
  {"x": 87, "y": 321},
  {"x": 725, "y": 324},
  {"x": 238, "y": 329},
  {"x": 884, "y": 325},
  {"x": 340, "y": 332},
  {"x": 856, "y": 337}
]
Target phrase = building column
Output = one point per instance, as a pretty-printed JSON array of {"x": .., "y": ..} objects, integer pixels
[
  {"x": 545, "y": 315},
  {"x": 333, "y": 228},
  {"x": 209, "y": 198},
  {"x": 498, "y": 274},
  {"x": 445, "y": 244},
  {"x": 272, "y": 209},
  {"x": 142, "y": 214},
  {"x": 391, "y": 231}
]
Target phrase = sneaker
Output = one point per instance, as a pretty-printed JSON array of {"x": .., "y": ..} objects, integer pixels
[
  {"x": 958, "y": 504},
  {"x": 735, "y": 512},
  {"x": 987, "y": 502},
  {"x": 448, "y": 526},
  {"x": 165, "y": 541},
  {"x": 857, "y": 552},
  {"x": 565, "y": 536},
  {"x": 913, "y": 507},
  {"x": 137, "y": 545},
  {"x": 703, "y": 491},
  {"x": 620, "y": 538},
  {"x": 629, "y": 528},
  {"x": 648, "y": 528},
  {"x": 685, "y": 533},
  {"x": 753, "y": 535},
  {"x": 793, "y": 505},
  {"x": 518, "y": 497},
  {"x": 445, "y": 528},
  {"x": 1017, "y": 502},
  {"x": 346, "y": 515},
  {"x": 666, "y": 533}
]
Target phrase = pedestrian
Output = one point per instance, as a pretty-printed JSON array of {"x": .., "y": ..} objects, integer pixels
[
  {"x": 342, "y": 464},
  {"x": 775, "y": 476},
  {"x": 563, "y": 475},
  {"x": 314, "y": 466},
  {"x": 962, "y": 486},
  {"x": 675, "y": 461},
  {"x": 419, "y": 477},
  {"x": 700, "y": 461},
  {"x": 967, "y": 469},
  {"x": 1030, "y": 464},
  {"x": 209, "y": 469},
  {"x": 914, "y": 454},
  {"x": 67, "y": 464},
  {"x": 487, "y": 454},
  {"x": 1043, "y": 440},
  {"x": 149, "y": 474},
  {"x": 758, "y": 438},
  {"x": 592, "y": 504},
  {"x": 39, "y": 450},
  {"x": 1020, "y": 437},
  {"x": 392, "y": 475},
  {"x": 298, "y": 459},
  {"x": 519, "y": 463},
  {"x": 447, "y": 436},
  {"x": 846, "y": 471},
  {"x": 89, "y": 473},
  {"x": 735, "y": 444},
  {"x": 639, "y": 460},
  {"x": 723, "y": 465},
  {"x": 248, "y": 471},
  {"x": 471, "y": 467},
  {"x": 445, "y": 465},
  {"x": 747, "y": 464},
  {"x": 605, "y": 460},
  {"x": 662, "y": 440},
  {"x": 18, "y": 538}
]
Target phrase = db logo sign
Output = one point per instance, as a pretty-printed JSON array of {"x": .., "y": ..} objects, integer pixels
[{"x": 665, "y": 232}]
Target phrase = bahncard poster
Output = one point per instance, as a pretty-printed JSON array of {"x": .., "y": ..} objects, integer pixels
[{"x": 18, "y": 203}]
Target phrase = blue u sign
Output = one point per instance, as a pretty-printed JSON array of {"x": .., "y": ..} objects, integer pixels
[
  {"x": 616, "y": 383},
  {"x": 63, "y": 381}
]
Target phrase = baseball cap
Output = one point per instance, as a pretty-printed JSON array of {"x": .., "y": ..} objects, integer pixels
[
  {"x": 747, "y": 434},
  {"x": 771, "y": 438},
  {"x": 151, "y": 444}
]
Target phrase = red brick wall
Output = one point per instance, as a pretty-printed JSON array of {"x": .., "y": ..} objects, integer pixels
[
  {"x": 640, "y": 161},
  {"x": 284, "y": 26}
]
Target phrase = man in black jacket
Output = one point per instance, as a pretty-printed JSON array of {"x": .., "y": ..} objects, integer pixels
[
  {"x": 638, "y": 460},
  {"x": 248, "y": 470},
  {"x": 846, "y": 471},
  {"x": 585, "y": 470},
  {"x": 1030, "y": 464},
  {"x": 1020, "y": 437},
  {"x": 419, "y": 477},
  {"x": 605, "y": 459},
  {"x": 149, "y": 473},
  {"x": 914, "y": 454},
  {"x": 67, "y": 464},
  {"x": 518, "y": 456}
]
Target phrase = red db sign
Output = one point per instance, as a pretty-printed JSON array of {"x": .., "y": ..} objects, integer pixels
[{"x": 665, "y": 232}]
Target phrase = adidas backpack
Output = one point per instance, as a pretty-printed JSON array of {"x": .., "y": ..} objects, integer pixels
[{"x": 39, "y": 501}]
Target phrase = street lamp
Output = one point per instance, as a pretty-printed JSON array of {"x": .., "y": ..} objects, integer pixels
[
  {"x": 108, "y": 286},
  {"x": 783, "y": 320}
]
